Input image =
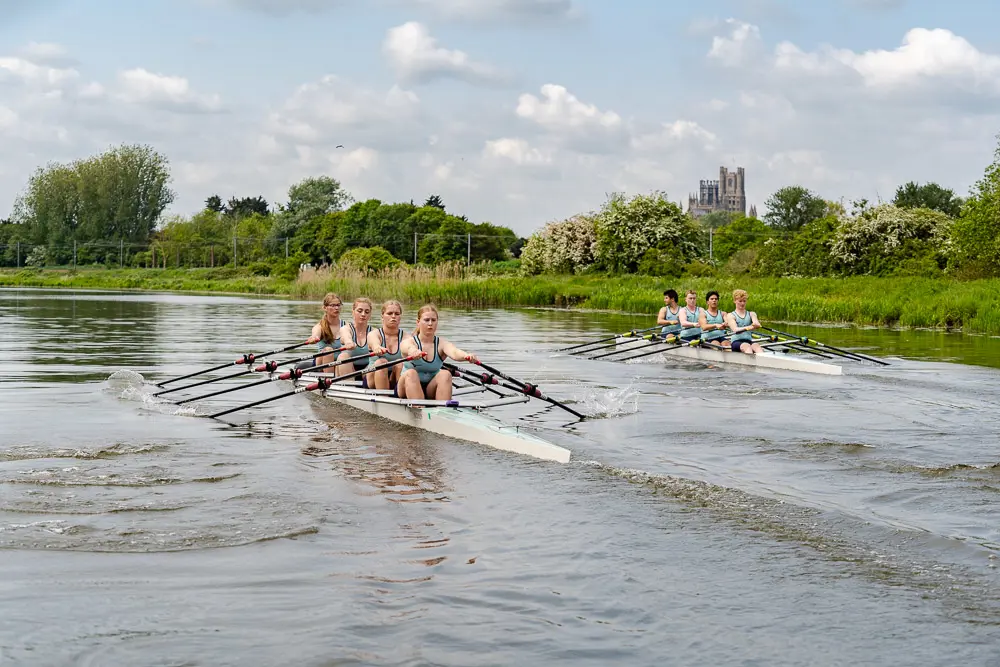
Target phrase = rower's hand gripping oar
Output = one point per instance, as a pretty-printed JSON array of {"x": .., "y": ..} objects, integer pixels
[
  {"x": 245, "y": 359},
  {"x": 627, "y": 334},
  {"x": 805, "y": 341},
  {"x": 322, "y": 384},
  {"x": 528, "y": 389},
  {"x": 270, "y": 367}
]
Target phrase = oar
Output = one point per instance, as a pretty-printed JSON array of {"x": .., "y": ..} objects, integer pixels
[
  {"x": 246, "y": 359},
  {"x": 529, "y": 389},
  {"x": 795, "y": 346},
  {"x": 806, "y": 341},
  {"x": 293, "y": 374},
  {"x": 692, "y": 343},
  {"x": 615, "y": 343},
  {"x": 322, "y": 384},
  {"x": 268, "y": 367},
  {"x": 627, "y": 334},
  {"x": 669, "y": 338}
]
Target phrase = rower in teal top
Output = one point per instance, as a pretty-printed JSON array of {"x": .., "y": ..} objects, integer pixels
[
  {"x": 354, "y": 339},
  {"x": 741, "y": 322},
  {"x": 326, "y": 332},
  {"x": 688, "y": 315},
  {"x": 713, "y": 322},
  {"x": 425, "y": 377},
  {"x": 386, "y": 342},
  {"x": 669, "y": 315}
]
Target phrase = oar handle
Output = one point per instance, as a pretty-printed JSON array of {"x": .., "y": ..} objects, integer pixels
[{"x": 246, "y": 359}]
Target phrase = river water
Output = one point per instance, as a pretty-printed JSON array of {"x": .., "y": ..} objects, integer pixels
[{"x": 709, "y": 515}]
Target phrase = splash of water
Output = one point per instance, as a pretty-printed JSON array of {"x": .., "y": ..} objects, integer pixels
[
  {"x": 611, "y": 402},
  {"x": 129, "y": 385}
]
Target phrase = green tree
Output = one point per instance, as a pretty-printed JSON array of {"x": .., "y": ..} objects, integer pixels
[
  {"x": 806, "y": 253},
  {"x": 738, "y": 234},
  {"x": 627, "y": 228},
  {"x": 244, "y": 207},
  {"x": 389, "y": 226},
  {"x": 928, "y": 195},
  {"x": 449, "y": 242},
  {"x": 793, "y": 207},
  {"x": 214, "y": 203},
  {"x": 435, "y": 201},
  {"x": 975, "y": 239},
  {"x": 717, "y": 219},
  {"x": 308, "y": 199}
]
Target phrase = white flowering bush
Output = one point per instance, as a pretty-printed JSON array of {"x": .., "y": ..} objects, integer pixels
[
  {"x": 878, "y": 240},
  {"x": 628, "y": 228},
  {"x": 566, "y": 246}
]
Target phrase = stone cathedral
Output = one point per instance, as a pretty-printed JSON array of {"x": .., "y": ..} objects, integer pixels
[{"x": 726, "y": 194}]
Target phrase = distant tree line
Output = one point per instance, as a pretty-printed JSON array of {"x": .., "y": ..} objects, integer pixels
[
  {"x": 109, "y": 209},
  {"x": 926, "y": 230}
]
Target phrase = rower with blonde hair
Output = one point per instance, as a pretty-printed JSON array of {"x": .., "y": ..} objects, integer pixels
[
  {"x": 326, "y": 332},
  {"x": 386, "y": 342},
  {"x": 354, "y": 338},
  {"x": 741, "y": 322},
  {"x": 425, "y": 377}
]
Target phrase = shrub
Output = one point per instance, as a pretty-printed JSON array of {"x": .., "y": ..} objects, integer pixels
[
  {"x": 627, "y": 228},
  {"x": 259, "y": 269},
  {"x": 877, "y": 241},
  {"x": 368, "y": 260}
]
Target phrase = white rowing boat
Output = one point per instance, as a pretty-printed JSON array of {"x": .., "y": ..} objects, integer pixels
[
  {"x": 767, "y": 359},
  {"x": 461, "y": 418}
]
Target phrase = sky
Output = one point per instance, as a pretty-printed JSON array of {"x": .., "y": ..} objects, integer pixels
[{"x": 516, "y": 112}]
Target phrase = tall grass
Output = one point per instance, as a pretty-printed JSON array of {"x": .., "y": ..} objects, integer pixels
[{"x": 973, "y": 306}]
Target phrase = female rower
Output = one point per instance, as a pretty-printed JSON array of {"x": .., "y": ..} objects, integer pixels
[
  {"x": 713, "y": 321},
  {"x": 386, "y": 342},
  {"x": 669, "y": 315},
  {"x": 741, "y": 322},
  {"x": 326, "y": 332},
  {"x": 354, "y": 337},
  {"x": 425, "y": 377},
  {"x": 688, "y": 315}
]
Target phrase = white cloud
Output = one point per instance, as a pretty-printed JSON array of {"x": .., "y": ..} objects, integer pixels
[
  {"x": 48, "y": 53},
  {"x": 140, "y": 86},
  {"x": 8, "y": 119},
  {"x": 416, "y": 57},
  {"x": 517, "y": 151},
  {"x": 670, "y": 135},
  {"x": 499, "y": 9},
  {"x": 560, "y": 109},
  {"x": 32, "y": 73},
  {"x": 742, "y": 43}
]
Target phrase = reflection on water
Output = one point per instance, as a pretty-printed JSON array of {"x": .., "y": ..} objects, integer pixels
[{"x": 854, "y": 517}]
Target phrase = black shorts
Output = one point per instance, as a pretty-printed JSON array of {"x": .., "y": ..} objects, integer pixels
[{"x": 738, "y": 344}]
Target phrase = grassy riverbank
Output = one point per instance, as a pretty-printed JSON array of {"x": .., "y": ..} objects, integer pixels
[{"x": 973, "y": 306}]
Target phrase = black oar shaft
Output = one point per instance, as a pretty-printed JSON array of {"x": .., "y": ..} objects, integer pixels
[
  {"x": 632, "y": 348},
  {"x": 247, "y": 359},
  {"x": 603, "y": 340},
  {"x": 856, "y": 355},
  {"x": 529, "y": 389}
]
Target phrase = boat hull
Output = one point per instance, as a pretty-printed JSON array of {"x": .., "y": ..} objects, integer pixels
[
  {"x": 766, "y": 359},
  {"x": 455, "y": 422}
]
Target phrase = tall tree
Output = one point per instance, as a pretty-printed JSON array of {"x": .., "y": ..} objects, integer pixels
[
  {"x": 793, "y": 207},
  {"x": 214, "y": 204},
  {"x": 307, "y": 199},
  {"x": 928, "y": 195},
  {"x": 244, "y": 207},
  {"x": 435, "y": 201},
  {"x": 976, "y": 234}
]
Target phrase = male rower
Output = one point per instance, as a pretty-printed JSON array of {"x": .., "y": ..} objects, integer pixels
[
  {"x": 688, "y": 316},
  {"x": 741, "y": 322},
  {"x": 713, "y": 322},
  {"x": 669, "y": 315}
]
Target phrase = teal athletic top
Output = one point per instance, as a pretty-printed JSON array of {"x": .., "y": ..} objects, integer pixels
[
  {"x": 691, "y": 333},
  {"x": 744, "y": 321},
  {"x": 322, "y": 344},
  {"x": 426, "y": 370},
  {"x": 718, "y": 318},
  {"x": 361, "y": 349},
  {"x": 672, "y": 328},
  {"x": 392, "y": 356}
]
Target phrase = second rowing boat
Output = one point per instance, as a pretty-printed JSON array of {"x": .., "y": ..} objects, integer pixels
[{"x": 766, "y": 359}]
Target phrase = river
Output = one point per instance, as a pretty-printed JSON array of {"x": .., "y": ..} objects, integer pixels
[{"x": 708, "y": 516}]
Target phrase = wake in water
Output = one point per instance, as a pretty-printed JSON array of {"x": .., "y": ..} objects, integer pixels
[
  {"x": 131, "y": 386},
  {"x": 611, "y": 402}
]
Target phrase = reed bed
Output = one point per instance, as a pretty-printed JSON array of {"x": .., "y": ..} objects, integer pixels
[{"x": 972, "y": 306}]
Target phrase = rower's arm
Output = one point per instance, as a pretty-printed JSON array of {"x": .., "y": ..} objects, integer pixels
[
  {"x": 662, "y": 320},
  {"x": 375, "y": 343},
  {"x": 346, "y": 340},
  {"x": 755, "y": 321},
  {"x": 452, "y": 352},
  {"x": 731, "y": 322},
  {"x": 685, "y": 322},
  {"x": 703, "y": 320}
]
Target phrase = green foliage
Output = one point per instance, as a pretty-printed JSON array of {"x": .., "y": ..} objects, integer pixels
[
  {"x": 739, "y": 234},
  {"x": 435, "y": 201},
  {"x": 244, "y": 207},
  {"x": 259, "y": 269},
  {"x": 928, "y": 195},
  {"x": 566, "y": 246},
  {"x": 792, "y": 208},
  {"x": 741, "y": 262},
  {"x": 368, "y": 260},
  {"x": 717, "y": 219},
  {"x": 628, "y": 228},
  {"x": 449, "y": 243},
  {"x": 309, "y": 199},
  {"x": 975, "y": 241},
  {"x": 117, "y": 195},
  {"x": 807, "y": 253},
  {"x": 877, "y": 241}
]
